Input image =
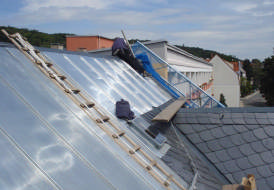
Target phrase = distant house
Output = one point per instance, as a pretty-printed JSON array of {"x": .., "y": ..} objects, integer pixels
[
  {"x": 57, "y": 46},
  {"x": 226, "y": 82},
  {"x": 196, "y": 69},
  {"x": 87, "y": 43},
  {"x": 237, "y": 67}
]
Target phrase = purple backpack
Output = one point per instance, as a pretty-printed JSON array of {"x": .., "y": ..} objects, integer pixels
[{"x": 123, "y": 110}]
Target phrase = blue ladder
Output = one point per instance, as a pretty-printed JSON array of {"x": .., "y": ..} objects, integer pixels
[{"x": 176, "y": 84}]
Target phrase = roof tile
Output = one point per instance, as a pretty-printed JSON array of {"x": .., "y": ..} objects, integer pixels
[
  {"x": 268, "y": 157},
  {"x": 237, "y": 114},
  {"x": 270, "y": 115},
  {"x": 271, "y": 120},
  {"x": 211, "y": 126},
  {"x": 240, "y": 128},
  {"x": 269, "y": 143},
  {"x": 238, "y": 121},
  {"x": 270, "y": 181},
  {"x": 214, "y": 120},
  {"x": 187, "y": 129},
  {"x": 212, "y": 157},
  {"x": 222, "y": 168},
  {"x": 203, "y": 147},
  {"x": 269, "y": 130},
  {"x": 261, "y": 115},
  {"x": 222, "y": 155},
  {"x": 262, "y": 183},
  {"x": 225, "y": 142},
  {"x": 249, "y": 136},
  {"x": 272, "y": 167},
  {"x": 214, "y": 145},
  {"x": 264, "y": 121},
  {"x": 232, "y": 166},
  {"x": 252, "y": 126},
  {"x": 195, "y": 138},
  {"x": 255, "y": 159},
  {"x": 258, "y": 146},
  {"x": 191, "y": 120},
  {"x": 235, "y": 152},
  {"x": 227, "y": 121},
  {"x": 264, "y": 171},
  {"x": 249, "y": 115},
  {"x": 229, "y": 130},
  {"x": 237, "y": 139},
  {"x": 244, "y": 163},
  {"x": 250, "y": 121},
  {"x": 218, "y": 132},
  {"x": 259, "y": 133},
  {"x": 199, "y": 127},
  {"x": 206, "y": 136},
  {"x": 246, "y": 149},
  {"x": 203, "y": 120}
]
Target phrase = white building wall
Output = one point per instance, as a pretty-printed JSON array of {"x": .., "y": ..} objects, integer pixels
[
  {"x": 159, "y": 48},
  {"x": 197, "y": 71},
  {"x": 225, "y": 82}
]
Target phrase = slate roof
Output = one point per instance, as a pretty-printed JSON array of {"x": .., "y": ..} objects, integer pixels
[
  {"x": 238, "y": 141},
  {"x": 177, "y": 156}
]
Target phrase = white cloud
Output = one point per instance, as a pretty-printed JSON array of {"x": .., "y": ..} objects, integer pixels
[
  {"x": 226, "y": 26},
  {"x": 245, "y": 7},
  {"x": 34, "y": 5}
]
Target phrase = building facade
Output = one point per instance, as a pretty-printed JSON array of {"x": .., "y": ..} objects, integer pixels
[
  {"x": 87, "y": 43},
  {"x": 196, "y": 69},
  {"x": 226, "y": 82}
]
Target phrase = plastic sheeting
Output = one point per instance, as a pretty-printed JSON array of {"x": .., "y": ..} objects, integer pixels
[{"x": 47, "y": 142}]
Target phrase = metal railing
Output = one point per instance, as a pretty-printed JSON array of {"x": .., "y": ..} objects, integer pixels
[{"x": 170, "y": 78}]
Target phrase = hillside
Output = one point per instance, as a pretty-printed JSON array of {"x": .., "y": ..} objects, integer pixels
[
  {"x": 37, "y": 38},
  {"x": 199, "y": 52}
]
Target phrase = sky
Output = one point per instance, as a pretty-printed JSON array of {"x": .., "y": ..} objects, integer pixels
[{"x": 243, "y": 28}]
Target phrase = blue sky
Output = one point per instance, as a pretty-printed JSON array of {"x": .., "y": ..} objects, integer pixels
[{"x": 242, "y": 28}]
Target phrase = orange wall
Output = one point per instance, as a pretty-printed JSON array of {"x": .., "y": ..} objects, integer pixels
[
  {"x": 105, "y": 43},
  {"x": 74, "y": 43},
  {"x": 235, "y": 66}
]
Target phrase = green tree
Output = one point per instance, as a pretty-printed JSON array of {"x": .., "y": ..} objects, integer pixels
[
  {"x": 257, "y": 71},
  {"x": 245, "y": 86},
  {"x": 267, "y": 80},
  {"x": 248, "y": 69},
  {"x": 222, "y": 99},
  {"x": 35, "y": 37}
]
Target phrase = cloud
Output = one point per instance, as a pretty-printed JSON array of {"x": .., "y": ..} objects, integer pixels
[{"x": 226, "y": 26}]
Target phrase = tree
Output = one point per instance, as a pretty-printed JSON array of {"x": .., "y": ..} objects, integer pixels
[
  {"x": 246, "y": 87},
  {"x": 267, "y": 80},
  {"x": 257, "y": 72},
  {"x": 222, "y": 99},
  {"x": 248, "y": 69}
]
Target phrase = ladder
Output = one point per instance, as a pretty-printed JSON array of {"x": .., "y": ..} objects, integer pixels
[{"x": 104, "y": 121}]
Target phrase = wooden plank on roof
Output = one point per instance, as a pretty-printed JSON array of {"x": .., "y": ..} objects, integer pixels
[{"x": 167, "y": 114}]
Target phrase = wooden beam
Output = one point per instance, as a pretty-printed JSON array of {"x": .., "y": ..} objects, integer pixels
[{"x": 167, "y": 114}]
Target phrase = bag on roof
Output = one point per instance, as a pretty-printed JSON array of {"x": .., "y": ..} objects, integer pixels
[{"x": 123, "y": 110}]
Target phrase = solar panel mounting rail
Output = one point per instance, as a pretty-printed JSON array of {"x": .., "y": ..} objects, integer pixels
[{"x": 104, "y": 121}]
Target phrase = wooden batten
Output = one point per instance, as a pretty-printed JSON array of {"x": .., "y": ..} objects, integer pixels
[{"x": 167, "y": 114}]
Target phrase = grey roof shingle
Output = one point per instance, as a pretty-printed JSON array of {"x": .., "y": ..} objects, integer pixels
[{"x": 238, "y": 144}]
